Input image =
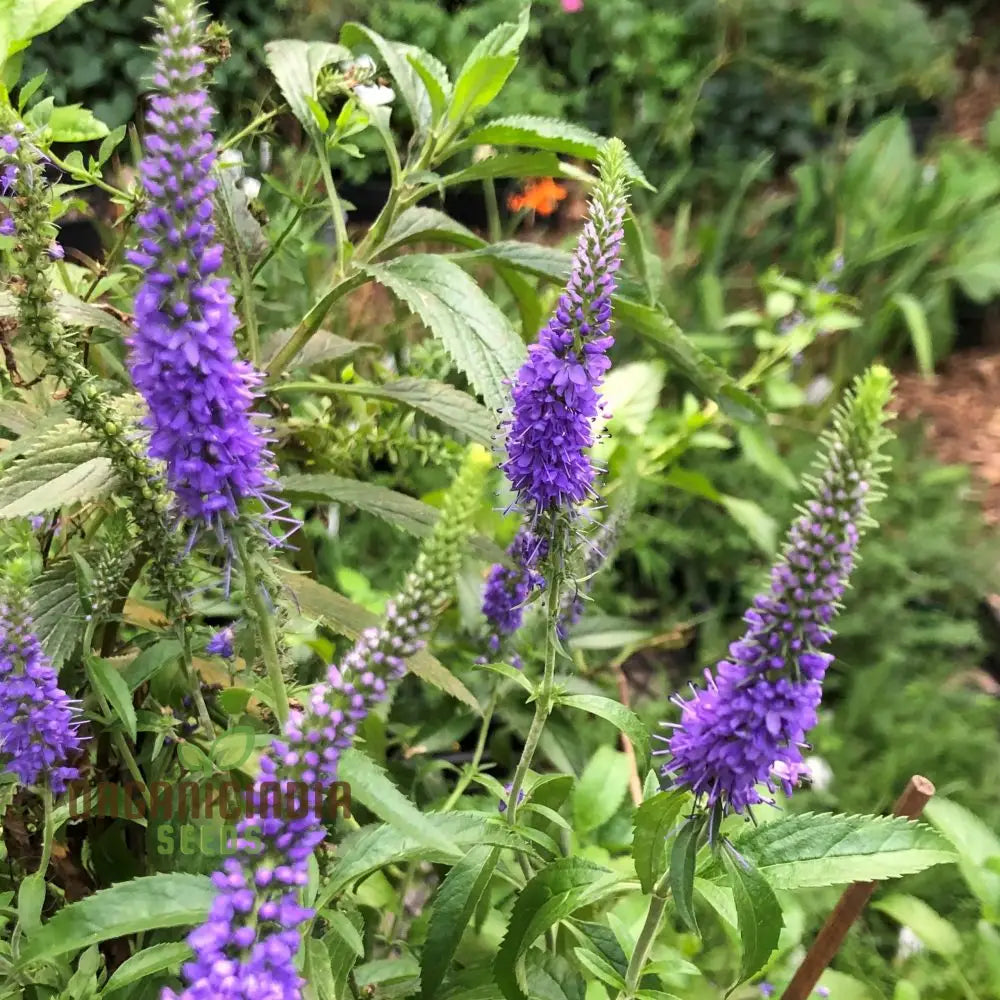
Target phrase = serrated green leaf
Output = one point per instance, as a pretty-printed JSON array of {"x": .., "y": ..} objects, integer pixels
[
  {"x": 758, "y": 915},
  {"x": 550, "y": 134},
  {"x": 683, "y": 861},
  {"x": 72, "y": 123},
  {"x": 936, "y": 933},
  {"x": 472, "y": 329},
  {"x": 168, "y": 956},
  {"x": 296, "y": 66},
  {"x": 73, "y": 312},
  {"x": 35, "y": 17},
  {"x": 371, "y": 786},
  {"x": 30, "y": 900},
  {"x": 453, "y": 906},
  {"x": 599, "y": 968},
  {"x": 622, "y": 718},
  {"x": 57, "y": 610},
  {"x": 478, "y": 85},
  {"x": 343, "y": 956},
  {"x": 655, "y": 820},
  {"x": 350, "y": 619},
  {"x": 429, "y": 225},
  {"x": 322, "y": 346},
  {"x": 434, "y": 76},
  {"x": 502, "y": 165},
  {"x": 374, "y": 847},
  {"x": 111, "y": 684},
  {"x": 142, "y": 904},
  {"x": 813, "y": 850},
  {"x": 63, "y": 467},
  {"x": 600, "y": 790},
  {"x": 511, "y": 673},
  {"x": 554, "y": 893}
]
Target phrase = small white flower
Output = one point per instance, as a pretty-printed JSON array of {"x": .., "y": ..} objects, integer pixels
[
  {"x": 909, "y": 945},
  {"x": 251, "y": 187},
  {"x": 929, "y": 173},
  {"x": 374, "y": 96},
  {"x": 232, "y": 159},
  {"x": 818, "y": 389},
  {"x": 481, "y": 153},
  {"x": 820, "y": 772}
]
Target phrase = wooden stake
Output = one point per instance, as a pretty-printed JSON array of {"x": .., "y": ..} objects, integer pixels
[{"x": 911, "y": 804}]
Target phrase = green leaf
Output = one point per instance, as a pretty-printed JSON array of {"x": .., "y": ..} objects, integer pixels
[
  {"x": 600, "y": 790},
  {"x": 57, "y": 610},
  {"x": 511, "y": 673},
  {"x": 502, "y": 165},
  {"x": 63, "y": 468},
  {"x": 655, "y": 820},
  {"x": 72, "y": 123},
  {"x": 73, "y": 312},
  {"x": 758, "y": 915},
  {"x": 401, "y": 511},
  {"x": 920, "y": 332},
  {"x": 551, "y": 134},
  {"x": 374, "y": 847},
  {"x": 758, "y": 524},
  {"x": 141, "y": 904},
  {"x": 371, "y": 786},
  {"x": 478, "y": 85},
  {"x": 156, "y": 958},
  {"x": 398, "y": 509},
  {"x": 812, "y": 850},
  {"x": 622, "y": 718},
  {"x": 296, "y": 66},
  {"x": 599, "y": 967},
  {"x": 150, "y": 662},
  {"x": 761, "y": 451},
  {"x": 683, "y": 861},
  {"x": 428, "y": 225},
  {"x": 554, "y": 893},
  {"x": 30, "y": 900},
  {"x": 243, "y": 234},
  {"x": 970, "y": 835},
  {"x": 35, "y": 17},
  {"x": 451, "y": 912},
  {"x": 350, "y": 619},
  {"x": 472, "y": 329},
  {"x": 935, "y": 933},
  {"x": 434, "y": 76},
  {"x": 112, "y": 685},
  {"x": 395, "y": 55}
]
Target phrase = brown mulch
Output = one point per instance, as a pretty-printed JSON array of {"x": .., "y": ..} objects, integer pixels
[{"x": 960, "y": 408}]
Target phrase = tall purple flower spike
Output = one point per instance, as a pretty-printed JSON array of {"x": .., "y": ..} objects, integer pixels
[
  {"x": 748, "y": 725},
  {"x": 246, "y": 948},
  {"x": 184, "y": 361},
  {"x": 556, "y": 393},
  {"x": 38, "y": 723}
]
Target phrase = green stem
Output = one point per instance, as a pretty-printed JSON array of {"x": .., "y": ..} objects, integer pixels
[
  {"x": 249, "y": 309},
  {"x": 262, "y": 119},
  {"x": 88, "y": 178},
  {"x": 193, "y": 678},
  {"x": 48, "y": 831},
  {"x": 657, "y": 904},
  {"x": 339, "y": 225},
  {"x": 494, "y": 227},
  {"x": 544, "y": 697},
  {"x": 268, "y": 645},
  {"x": 473, "y": 766}
]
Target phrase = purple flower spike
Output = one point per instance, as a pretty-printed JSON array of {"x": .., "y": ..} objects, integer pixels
[
  {"x": 37, "y": 720},
  {"x": 556, "y": 393},
  {"x": 509, "y": 587},
  {"x": 184, "y": 362},
  {"x": 748, "y": 725}
]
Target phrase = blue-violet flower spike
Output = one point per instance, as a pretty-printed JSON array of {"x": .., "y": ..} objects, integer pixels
[
  {"x": 184, "y": 361},
  {"x": 38, "y": 723},
  {"x": 509, "y": 587},
  {"x": 748, "y": 725},
  {"x": 556, "y": 393}
]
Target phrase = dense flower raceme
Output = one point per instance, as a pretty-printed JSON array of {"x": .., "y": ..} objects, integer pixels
[
  {"x": 556, "y": 393},
  {"x": 748, "y": 725},
  {"x": 508, "y": 587},
  {"x": 184, "y": 360},
  {"x": 247, "y": 947},
  {"x": 38, "y": 724}
]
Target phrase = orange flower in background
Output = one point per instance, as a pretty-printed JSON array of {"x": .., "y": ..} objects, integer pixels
[{"x": 541, "y": 196}]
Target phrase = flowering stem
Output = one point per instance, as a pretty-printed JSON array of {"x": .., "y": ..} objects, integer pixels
[
  {"x": 544, "y": 696},
  {"x": 48, "y": 830},
  {"x": 473, "y": 766},
  {"x": 268, "y": 645},
  {"x": 657, "y": 904}
]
